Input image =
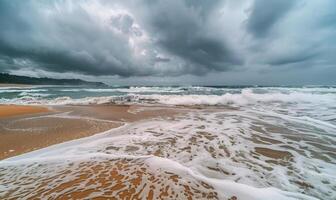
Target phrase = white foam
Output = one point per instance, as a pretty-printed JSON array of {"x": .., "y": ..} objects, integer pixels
[
  {"x": 128, "y": 90},
  {"x": 249, "y": 178},
  {"x": 8, "y": 90},
  {"x": 247, "y": 96},
  {"x": 226, "y": 188}
]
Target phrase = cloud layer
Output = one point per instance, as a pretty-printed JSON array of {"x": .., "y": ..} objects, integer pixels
[{"x": 166, "y": 38}]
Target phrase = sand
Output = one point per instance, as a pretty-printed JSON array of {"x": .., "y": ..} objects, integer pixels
[
  {"x": 27, "y": 128},
  {"x": 112, "y": 178},
  {"x": 26, "y": 135},
  {"x": 120, "y": 177},
  {"x": 7, "y": 111},
  {"x": 14, "y": 85},
  {"x": 275, "y": 154},
  {"x": 123, "y": 113}
]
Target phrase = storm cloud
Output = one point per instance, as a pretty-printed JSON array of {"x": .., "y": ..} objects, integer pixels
[
  {"x": 166, "y": 38},
  {"x": 266, "y": 13}
]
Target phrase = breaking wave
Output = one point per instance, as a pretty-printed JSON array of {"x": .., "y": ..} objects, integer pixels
[{"x": 246, "y": 97}]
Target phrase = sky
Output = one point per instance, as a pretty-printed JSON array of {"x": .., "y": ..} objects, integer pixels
[{"x": 159, "y": 42}]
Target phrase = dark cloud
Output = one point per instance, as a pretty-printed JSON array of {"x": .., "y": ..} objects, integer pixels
[
  {"x": 294, "y": 33},
  {"x": 161, "y": 59},
  {"x": 181, "y": 32},
  {"x": 70, "y": 39},
  {"x": 291, "y": 59},
  {"x": 166, "y": 37},
  {"x": 266, "y": 13}
]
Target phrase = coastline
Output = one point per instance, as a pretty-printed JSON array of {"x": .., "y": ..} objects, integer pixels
[
  {"x": 156, "y": 152},
  {"x": 9, "y": 110},
  {"x": 10, "y": 85},
  {"x": 25, "y": 128}
]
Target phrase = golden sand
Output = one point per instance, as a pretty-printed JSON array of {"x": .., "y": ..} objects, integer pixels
[
  {"x": 15, "y": 110},
  {"x": 110, "y": 179},
  {"x": 26, "y": 135},
  {"x": 27, "y": 128}
]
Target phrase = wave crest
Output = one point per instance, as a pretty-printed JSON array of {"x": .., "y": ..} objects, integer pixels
[{"x": 246, "y": 97}]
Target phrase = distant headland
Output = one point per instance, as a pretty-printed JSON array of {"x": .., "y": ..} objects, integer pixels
[{"x": 14, "y": 79}]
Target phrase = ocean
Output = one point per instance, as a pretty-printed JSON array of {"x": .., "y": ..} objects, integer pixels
[
  {"x": 252, "y": 142},
  {"x": 310, "y": 103}
]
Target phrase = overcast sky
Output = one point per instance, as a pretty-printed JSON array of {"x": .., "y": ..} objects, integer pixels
[{"x": 171, "y": 41}]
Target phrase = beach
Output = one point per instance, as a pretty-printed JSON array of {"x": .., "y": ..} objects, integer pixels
[
  {"x": 28, "y": 128},
  {"x": 8, "y": 85},
  {"x": 7, "y": 111},
  {"x": 164, "y": 146},
  {"x": 172, "y": 99}
]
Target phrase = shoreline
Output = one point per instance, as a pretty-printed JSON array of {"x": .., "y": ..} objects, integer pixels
[
  {"x": 25, "y": 128},
  {"x": 11, "y": 110},
  {"x": 94, "y": 158},
  {"x": 14, "y": 85}
]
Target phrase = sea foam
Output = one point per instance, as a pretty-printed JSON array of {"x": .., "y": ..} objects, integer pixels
[
  {"x": 219, "y": 148},
  {"x": 245, "y": 97}
]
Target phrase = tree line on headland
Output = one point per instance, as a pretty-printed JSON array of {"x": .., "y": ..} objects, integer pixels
[{"x": 14, "y": 79}]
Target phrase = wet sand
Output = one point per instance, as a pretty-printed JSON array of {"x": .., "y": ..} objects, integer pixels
[
  {"x": 123, "y": 113},
  {"x": 7, "y": 111},
  {"x": 271, "y": 153},
  {"x": 27, "y": 128},
  {"x": 108, "y": 174},
  {"x": 118, "y": 178},
  {"x": 14, "y": 85}
]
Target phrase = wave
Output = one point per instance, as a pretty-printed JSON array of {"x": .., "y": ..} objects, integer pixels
[
  {"x": 246, "y": 97},
  {"x": 127, "y": 90},
  {"x": 21, "y": 90},
  {"x": 152, "y": 89},
  {"x": 23, "y": 94}
]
